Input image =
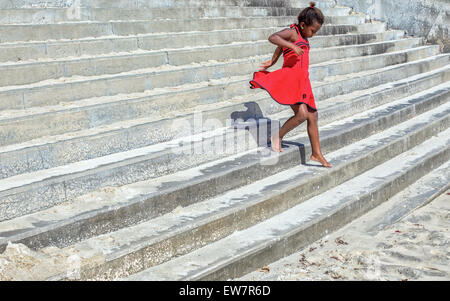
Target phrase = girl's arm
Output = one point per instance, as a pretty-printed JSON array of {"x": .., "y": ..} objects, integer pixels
[
  {"x": 276, "y": 54},
  {"x": 284, "y": 39},
  {"x": 273, "y": 61}
]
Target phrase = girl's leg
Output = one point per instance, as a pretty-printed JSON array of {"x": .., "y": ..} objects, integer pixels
[
  {"x": 301, "y": 113},
  {"x": 313, "y": 133}
]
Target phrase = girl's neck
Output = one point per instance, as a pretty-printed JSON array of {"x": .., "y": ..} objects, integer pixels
[{"x": 301, "y": 34}]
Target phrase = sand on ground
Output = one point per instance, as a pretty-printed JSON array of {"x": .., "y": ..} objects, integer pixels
[{"x": 416, "y": 247}]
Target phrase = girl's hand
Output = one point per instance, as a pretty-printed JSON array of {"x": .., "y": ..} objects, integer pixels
[
  {"x": 297, "y": 50},
  {"x": 265, "y": 65}
]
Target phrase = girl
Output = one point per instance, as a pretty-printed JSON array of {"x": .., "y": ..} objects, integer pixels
[{"x": 290, "y": 85}]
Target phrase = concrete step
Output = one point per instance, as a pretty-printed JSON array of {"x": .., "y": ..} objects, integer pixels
[
  {"x": 78, "y": 87},
  {"x": 83, "y": 29},
  {"x": 49, "y": 152},
  {"x": 29, "y": 157},
  {"x": 127, "y": 4},
  {"x": 246, "y": 246},
  {"x": 374, "y": 26},
  {"x": 92, "y": 159},
  {"x": 185, "y": 153},
  {"x": 203, "y": 3},
  {"x": 22, "y": 73},
  {"x": 23, "y": 51},
  {"x": 78, "y": 30},
  {"x": 92, "y": 113},
  {"x": 191, "y": 227},
  {"x": 352, "y": 39},
  {"x": 120, "y": 207},
  {"x": 17, "y": 52},
  {"x": 145, "y": 59},
  {"x": 399, "y": 212},
  {"x": 418, "y": 194},
  {"x": 56, "y": 15}
]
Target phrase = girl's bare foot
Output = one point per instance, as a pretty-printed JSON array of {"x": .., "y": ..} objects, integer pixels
[
  {"x": 321, "y": 159},
  {"x": 276, "y": 144}
]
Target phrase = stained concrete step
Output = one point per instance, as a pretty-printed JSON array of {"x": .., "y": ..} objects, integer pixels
[
  {"x": 182, "y": 154},
  {"x": 322, "y": 42},
  {"x": 116, "y": 208},
  {"x": 83, "y": 29},
  {"x": 85, "y": 114},
  {"x": 203, "y": 3},
  {"x": 280, "y": 233},
  {"x": 418, "y": 194},
  {"x": 49, "y": 152},
  {"x": 93, "y": 113},
  {"x": 17, "y": 52},
  {"x": 22, "y": 73},
  {"x": 126, "y": 4},
  {"x": 77, "y": 30},
  {"x": 23, "y": 51},
  {"x": 121, "y": 253},
  {"x": 80, "y": 87},
  {"x": 374, "y": 26},
  {"x": 28, "y": 157},
  {"x": 352, "y": 39},
  {"x": 400, "y": 208},
  {"x": 56, "y": 15},
  {"x": 190, "y": 227},
  {"x": 333, "y": 66}
]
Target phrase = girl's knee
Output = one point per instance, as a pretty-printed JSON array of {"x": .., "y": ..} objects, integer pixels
[
  {"x": 302, "y": 113},
  {"x": 303, "y": 109},
  {"x": 313, "y": 116},
  {"x": 295, "y": 108}
]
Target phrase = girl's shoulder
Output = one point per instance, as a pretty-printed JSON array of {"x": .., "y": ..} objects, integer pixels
[
  {"x": 294, "y": 27},
  {"x": 291, "y": 30},
  {"x": 295, "y": 31}
]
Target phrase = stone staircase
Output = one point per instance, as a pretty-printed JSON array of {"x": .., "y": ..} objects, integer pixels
[{"x": 129, "y": 137}]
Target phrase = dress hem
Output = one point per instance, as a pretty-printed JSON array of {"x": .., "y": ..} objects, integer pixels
[{"x": 253, "y": 86}]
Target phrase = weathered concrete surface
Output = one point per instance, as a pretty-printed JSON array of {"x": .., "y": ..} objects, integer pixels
[
  {"x": 53, "y": 186},
  {"x": 425, "y": 18},
  {"x": 54, "y": 15},
  {"x": 303, "y": 224},
  {"x": 105, "y": 179},
  {"x": 89, "y": 144},
  {"x": 155, "y": 3},
  {"x": 25, "y": 51},
  {"x": 32, "y": 72},
  {"x": 161, "y": 195},
  {"x": 408, "y": 244},
  {"x": 67, "y": 117},
  {"x": 130, "y": 249}
]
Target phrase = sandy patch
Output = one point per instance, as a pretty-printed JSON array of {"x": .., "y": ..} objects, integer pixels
[{"x": 413, "y": 248}]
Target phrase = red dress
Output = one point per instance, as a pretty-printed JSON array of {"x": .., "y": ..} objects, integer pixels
[{"x": 289, "y": 85}]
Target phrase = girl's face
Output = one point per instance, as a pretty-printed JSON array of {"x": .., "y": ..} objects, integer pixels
[{"x": 309, "y": 31}]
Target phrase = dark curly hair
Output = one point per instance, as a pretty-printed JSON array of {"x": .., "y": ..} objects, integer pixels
[{"x": 311, "y": 14}]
